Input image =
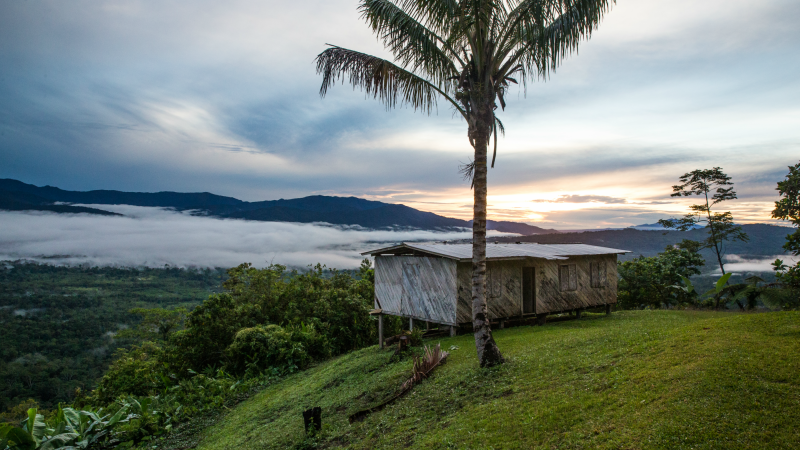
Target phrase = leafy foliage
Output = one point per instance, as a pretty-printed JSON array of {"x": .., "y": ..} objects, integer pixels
[
  {"x": 69, "y": 429},
  {"x": 652, "y": 281},
  {"x": 333, "y": 303},
  {"x": 156, "y": 324},
  {"x": 266, "y": 323},
  {"x": 60, "y": 326},
  {"x": 719, "y": 225},
  {"x": 272, "y": 347}
]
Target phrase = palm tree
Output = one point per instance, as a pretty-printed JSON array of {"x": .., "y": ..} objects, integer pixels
[{"x": 465, "y": 52}]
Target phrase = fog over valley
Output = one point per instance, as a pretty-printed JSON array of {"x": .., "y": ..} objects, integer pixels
[{"x": 147, "y": 236}]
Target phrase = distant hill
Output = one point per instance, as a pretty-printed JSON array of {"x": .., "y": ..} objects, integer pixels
[
  {"x": 21, "y": 201},
  {"x": 316, "y": 208},
  {"x": 164, "y": 199},
  {"x": 765, "y": 240}
]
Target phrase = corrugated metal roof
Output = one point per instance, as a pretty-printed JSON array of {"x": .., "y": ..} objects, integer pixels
[{"x": 502, "y": 251}]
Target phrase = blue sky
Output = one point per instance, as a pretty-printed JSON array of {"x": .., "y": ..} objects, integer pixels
[{"x": 223, "y": 97}]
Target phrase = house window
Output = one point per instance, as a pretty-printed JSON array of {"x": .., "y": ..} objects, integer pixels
[
  {"x": 568, "y": 277},
  {"x": 597, "y": 273}
]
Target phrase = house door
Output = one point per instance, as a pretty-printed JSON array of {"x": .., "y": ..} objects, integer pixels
[{"x": 528, "y": 290}]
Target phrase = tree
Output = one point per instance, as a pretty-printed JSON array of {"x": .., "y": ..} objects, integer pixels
[
  {"x": 466, "y": 52},
  {"x": 788, "y": 208},
  {"x": 156, "y": 324},
  {"x": 652, "y": 281},
  {"x": 720, "y": 225}
]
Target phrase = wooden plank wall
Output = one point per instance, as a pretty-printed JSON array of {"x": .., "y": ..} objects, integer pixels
[
  {"x": 503, "y": 290},
  {"x": 464, "y": 309},
  {"x": 550, "y": 298},
  {"x": 419, "y": 287},
  {"x": 504, "y": 287}
]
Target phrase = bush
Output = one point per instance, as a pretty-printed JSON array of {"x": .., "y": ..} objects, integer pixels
[
  {"x": 135, "y": 372},
  {"x": 649, "y": 281},
  {"x": 334, "y": 303},
  {"x": 272, "y": 347}
]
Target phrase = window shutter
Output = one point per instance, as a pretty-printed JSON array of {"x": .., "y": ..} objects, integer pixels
[
  {"x": 573, "y": 277},
  {"x": 602, "y": 274},
  {"x": 568, "y": 277},
  {"x": 597, "y": 271}
]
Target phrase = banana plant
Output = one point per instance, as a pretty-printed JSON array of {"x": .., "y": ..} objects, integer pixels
[
  {"x": 687, "y": 288},
  {"x": 71, "y": 430},
  {"x": 719, "y": 290}
]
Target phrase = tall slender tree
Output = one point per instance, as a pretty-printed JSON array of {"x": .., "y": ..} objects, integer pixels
[
  {"x": 466, "y": 52},
  {"x": 714, "y": 187}
]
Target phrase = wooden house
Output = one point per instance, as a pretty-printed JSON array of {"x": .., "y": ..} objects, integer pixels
[{"x": 432, "y": 282}]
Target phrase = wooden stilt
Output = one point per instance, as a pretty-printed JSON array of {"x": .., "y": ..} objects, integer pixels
[
  {"x": 541, "y": 319},
  {"x": 380, "y": 330},
  {"x": 452, "y": 330},
  {"x": 410, "y": 324},
  {"x": 502, "y": 324},
  {"x": 578, "y": 313},
  {"x": 608, "y": 309}
]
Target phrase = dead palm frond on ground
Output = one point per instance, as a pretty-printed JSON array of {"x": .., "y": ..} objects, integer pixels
[
  {"x": 467, "y": 53},
  {"x": 423, "y": 366}
]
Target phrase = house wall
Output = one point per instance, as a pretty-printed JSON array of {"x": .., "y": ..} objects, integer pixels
[
  {"x": 504, "y": 286},
  {"x": 552, "y": 299},
  {"x": 419, "y": 287}
]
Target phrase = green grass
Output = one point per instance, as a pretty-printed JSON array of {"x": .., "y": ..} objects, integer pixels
[{"x": 644, "y": 379}]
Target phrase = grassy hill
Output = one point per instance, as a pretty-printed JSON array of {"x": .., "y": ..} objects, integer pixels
[{"x": 643, "y": 379}]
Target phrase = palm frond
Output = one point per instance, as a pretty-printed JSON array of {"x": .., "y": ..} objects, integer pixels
[
  {"x": 467, "y": 171},
  {"x": 414, "y": 46},
  {"x": 495, "y": 126},
  {"x": 423, "y": 366},
  {"x": 541, "y": 33},
  {"x": 440, "y": 16},
  {"x": 382, "y": 79}
]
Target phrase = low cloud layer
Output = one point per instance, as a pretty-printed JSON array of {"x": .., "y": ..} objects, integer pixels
[
  {"x": 737, "y": 264},
  {"x": 585, "y": 199},
  {"x": 155, "y": 236}
]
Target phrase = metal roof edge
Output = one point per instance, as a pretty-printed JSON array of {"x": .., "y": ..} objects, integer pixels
[
  {"x": 431, "y": 252},
  {"x": 373, "y": 252}
]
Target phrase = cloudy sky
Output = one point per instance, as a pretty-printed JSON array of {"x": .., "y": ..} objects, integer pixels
[{"x": 223, "y": 97}]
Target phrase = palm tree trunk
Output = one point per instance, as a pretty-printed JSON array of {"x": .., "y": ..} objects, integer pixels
[{"x": 488, "y": 353}]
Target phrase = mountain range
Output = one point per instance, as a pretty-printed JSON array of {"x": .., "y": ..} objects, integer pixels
[{"x": 18, "y": 196}]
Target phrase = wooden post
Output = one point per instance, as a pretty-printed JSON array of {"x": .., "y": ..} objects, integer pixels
[
  {"x": 312, "y": 418},
  {"x": 608, "y": 308},
  {"x": 410, "y": 324},
  {"x": 541, "y": 319},
  {"x": 502, "y": 324},
  {"x": 380, "y": 330},
  {"x": 578, "y": 313},
  {"x": 452, "y": 330},
  {"x": 427, "y": 326}
]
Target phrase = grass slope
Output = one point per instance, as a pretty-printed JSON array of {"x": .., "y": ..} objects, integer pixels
[{"x": 643, "y": 379}]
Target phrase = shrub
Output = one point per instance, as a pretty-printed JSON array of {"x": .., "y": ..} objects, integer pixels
[
  {"x": 415, "y": 337},
  {"x": 334, "y": 303},
  {"x": 649, "y": 281},
  {"x": 135, "y": 372},
  {"x": 272, "y": 347}
]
